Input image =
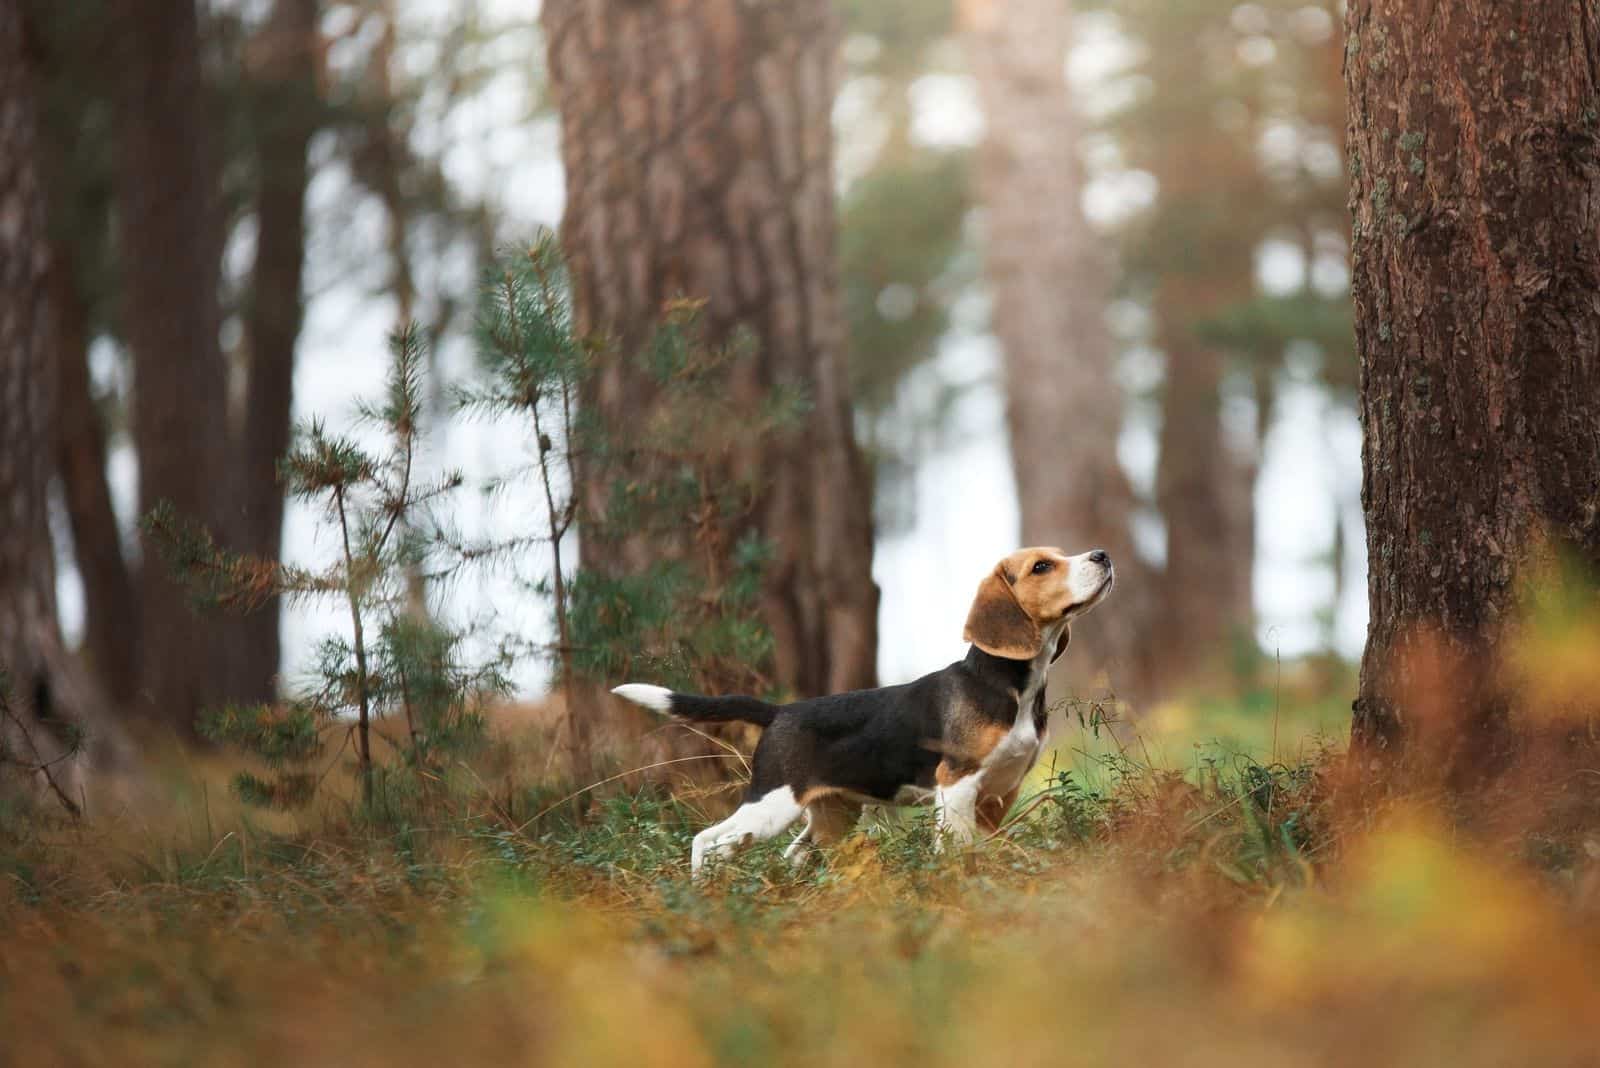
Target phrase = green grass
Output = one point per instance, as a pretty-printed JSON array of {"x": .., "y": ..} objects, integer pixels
[{"x": 1222, "y": 908}]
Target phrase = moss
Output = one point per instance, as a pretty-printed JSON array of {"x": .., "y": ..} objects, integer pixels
[{"x": 1380, "y": 197}]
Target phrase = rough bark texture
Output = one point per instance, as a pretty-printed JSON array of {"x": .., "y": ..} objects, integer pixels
[
  {"x": 1050, "y": 284},
  {"x": 47, "y": 683},
  {"x": 698, "y": 148},
  {"x": 1476, "y": 203},
  {"x": 287, "y": 72},
  {"x": 168, "y": 228}
]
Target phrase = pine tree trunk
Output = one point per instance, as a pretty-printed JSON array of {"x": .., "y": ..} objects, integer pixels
[
  {"x": 111, "y": 641},
  {"x": 1476, "y": 199},
  {"x": 168, "y": 226},
  {"x": 48, "y": 687},
  {"x": 1050, "y": 285},
  {"x": 698, "y": 147},
  {"x": 289, "y": 115},
  {"x": 1205, "y": 492}
]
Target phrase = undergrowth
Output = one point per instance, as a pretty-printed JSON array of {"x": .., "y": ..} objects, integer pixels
[{"x": 1225, "y": 910}]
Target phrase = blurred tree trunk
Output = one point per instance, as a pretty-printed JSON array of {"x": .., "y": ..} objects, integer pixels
[
  {"x": 170, "y": 249},
  {"x": 1204, "y": 490},
  {"x": 1476, "y": 198},
  {"x": 111, "y": 639},
  {"x": 50, "y": 689},
  {"x": 1205, "y": 483},
  {"x": 1050, "y": 283},
  {"x": 288, "y": 114},
  {"x": 698, "y": 147}
]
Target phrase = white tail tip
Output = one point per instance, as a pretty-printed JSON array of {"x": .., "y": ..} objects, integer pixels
[{"x": 658, "y": 698}]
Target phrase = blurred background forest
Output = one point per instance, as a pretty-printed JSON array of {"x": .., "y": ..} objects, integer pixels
[
  {"x": 382, "y": 381},
  {"x": 1093, "y": 273}
]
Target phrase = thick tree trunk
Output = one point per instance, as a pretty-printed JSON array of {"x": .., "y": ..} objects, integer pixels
[
  {"x": 168, "y": 226},
  {"x": 47, "y": 686},
  {"x": 1476, "y": 203},
  {"x": 111, "y": 641},
  {"x": 289, "y": 116},
  {"x": 1050, "y": 285},
  {"x": 699, "y": 154}
]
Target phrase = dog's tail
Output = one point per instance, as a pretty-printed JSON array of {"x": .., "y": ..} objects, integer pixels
[{"x": 699, "y": 709}]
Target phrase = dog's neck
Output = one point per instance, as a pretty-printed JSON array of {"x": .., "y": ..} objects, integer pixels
[{"x": 1023, "y": 676}]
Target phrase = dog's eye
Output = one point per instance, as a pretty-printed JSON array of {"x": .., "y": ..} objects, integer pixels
[{"x": 1042, "y": 566}]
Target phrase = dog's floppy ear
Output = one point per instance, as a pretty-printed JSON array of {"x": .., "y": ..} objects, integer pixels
[
  {"x": 1062, "y": 643},
  {"x": 997, "y": 624}
]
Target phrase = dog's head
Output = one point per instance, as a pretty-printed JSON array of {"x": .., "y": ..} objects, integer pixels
[{"x": 1031, "y": 591}]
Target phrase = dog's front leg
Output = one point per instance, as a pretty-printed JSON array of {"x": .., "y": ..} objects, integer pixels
[{"x": 956, "y": 811}]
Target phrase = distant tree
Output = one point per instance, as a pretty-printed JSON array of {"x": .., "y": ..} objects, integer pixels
[
  {"x": 1475, "y": 197},
  {"x": 699, "y": 158},
  {"x": 1209, "y": 84},
  {"x": 286, "y": 110},
  {"x": 168, "y": 210},
  {"x": 1049, "y": 276},
  {"x": 47, "y": 700}
]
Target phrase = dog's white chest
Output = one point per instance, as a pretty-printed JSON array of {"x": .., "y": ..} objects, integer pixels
[{"x": 1009, "y": 762}]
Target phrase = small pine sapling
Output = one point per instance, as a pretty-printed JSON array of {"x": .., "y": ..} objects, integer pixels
[
  {"x": 393, "y": 663},
  {"x": 688, "y": 616}
]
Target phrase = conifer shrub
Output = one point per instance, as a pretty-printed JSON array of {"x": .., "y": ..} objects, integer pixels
[{"x": 395, "y": 687}]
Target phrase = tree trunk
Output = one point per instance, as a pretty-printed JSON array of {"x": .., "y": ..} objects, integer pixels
[
  {"x": 111, "y": 641},
  {"x": 1050, "y": 285},
  {"x": 48, "y": 688},
  {"x": 698, "y": 146},
  {"x": 168, "y": 226},
  {"x": 287, "y": 119},
  {"x": 1205, "y": 492},
  {"x": 1476, "y": 199}
]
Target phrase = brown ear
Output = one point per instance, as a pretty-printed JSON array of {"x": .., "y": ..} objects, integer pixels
[
  {"x": 998, "y": 625},
  {"x": 1062, "y": 643}
]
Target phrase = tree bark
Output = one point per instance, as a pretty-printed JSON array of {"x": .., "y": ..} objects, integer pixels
[
  {"x": 1476, "y": 202},
  {"x": 168, "y": 225},
  {"x": 1050, "y": 286},
  {"x": 47, "y": 684},
  {"x": 287, "y": 118},
  {"x": 698, "y": 146}
]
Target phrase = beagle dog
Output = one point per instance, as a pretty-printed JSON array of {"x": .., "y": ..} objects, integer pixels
[{"x": 965, "y": 735}]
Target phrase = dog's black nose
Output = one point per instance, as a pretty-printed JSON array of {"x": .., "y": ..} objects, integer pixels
[{"x": 1100, "y": 556}]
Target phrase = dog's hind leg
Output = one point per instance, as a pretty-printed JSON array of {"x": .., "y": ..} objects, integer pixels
[
  {"x": 799, "y": 850},
  {"x": 828, "y": 819},
  {"x": 753, "y": 821}
]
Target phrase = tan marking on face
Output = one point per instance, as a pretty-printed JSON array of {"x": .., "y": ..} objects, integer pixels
[
  {"x": 1046, "y": 595},
  {"x": 1027, "y": 591}
]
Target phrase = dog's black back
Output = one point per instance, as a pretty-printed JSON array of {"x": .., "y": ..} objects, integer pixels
[{"x": 875, "y": 743}]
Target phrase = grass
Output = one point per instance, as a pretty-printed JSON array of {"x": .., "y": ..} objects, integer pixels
[{"x": 1152, "y": 902}]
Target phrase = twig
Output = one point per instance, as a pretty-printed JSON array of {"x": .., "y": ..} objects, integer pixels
[
  {"x": 41, "y": 765},
  {"x": 619, "y": 775}
]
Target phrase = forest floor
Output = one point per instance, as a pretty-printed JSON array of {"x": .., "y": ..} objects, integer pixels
[{"x": 1168, "y": 898}]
